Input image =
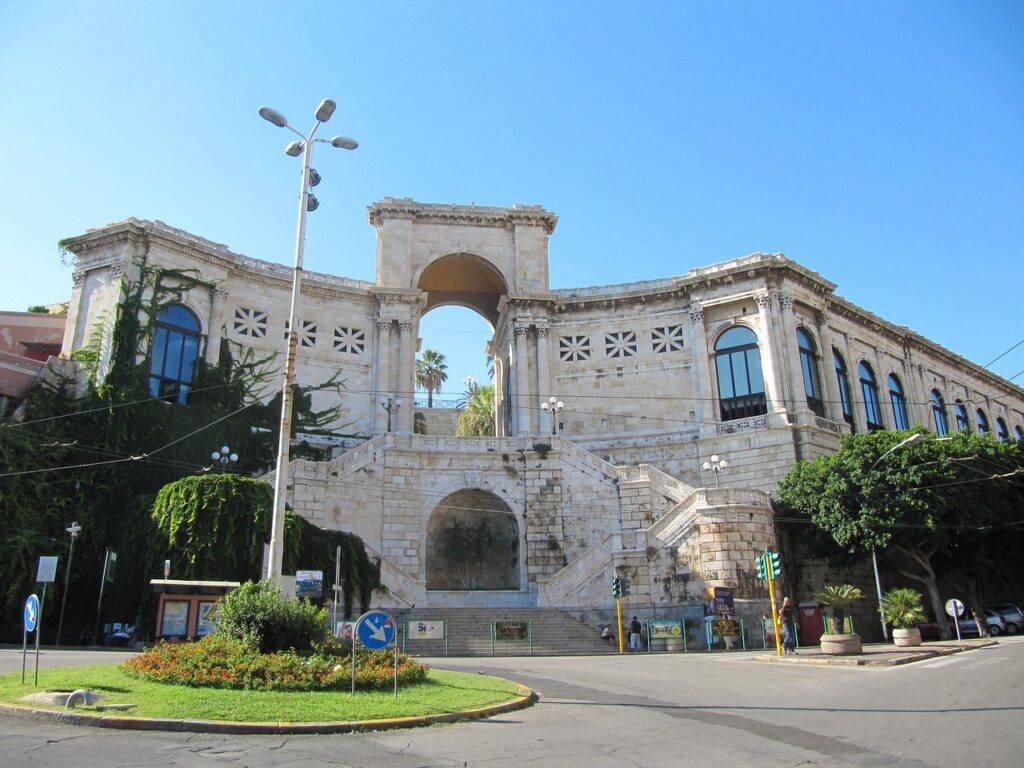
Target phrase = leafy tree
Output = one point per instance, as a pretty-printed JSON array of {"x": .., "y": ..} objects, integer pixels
[
  {"x": 477, "y": 418},
  {"x": 940, "y": 504},
  {"x": 39, "y": 309},
  {"x": 431, "y": 373}
]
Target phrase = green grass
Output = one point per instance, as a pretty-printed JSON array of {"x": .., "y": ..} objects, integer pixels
[{"x": 442, "y": 692}]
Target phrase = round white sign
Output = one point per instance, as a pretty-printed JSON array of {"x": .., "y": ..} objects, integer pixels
[{"x": 954, "y": 608}]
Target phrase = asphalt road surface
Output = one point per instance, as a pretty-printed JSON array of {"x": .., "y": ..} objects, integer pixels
[{"x": 702, "y": 710}]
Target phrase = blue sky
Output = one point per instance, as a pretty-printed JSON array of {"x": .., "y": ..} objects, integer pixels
[{"x": 879, "y": 144}]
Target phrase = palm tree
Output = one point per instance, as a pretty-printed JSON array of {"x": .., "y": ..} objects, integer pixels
[
  {"x": 431, "y": 373},
  {"x": 840, "y": 597},
  {"x": 477, "y": 418}
]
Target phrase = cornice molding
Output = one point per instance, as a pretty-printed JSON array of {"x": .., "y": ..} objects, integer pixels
[{"x": 480, "y": 216}]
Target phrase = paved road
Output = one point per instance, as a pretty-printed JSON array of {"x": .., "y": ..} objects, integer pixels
[{"x": 701, "y": 710}]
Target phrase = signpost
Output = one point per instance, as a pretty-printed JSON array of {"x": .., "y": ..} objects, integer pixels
[
  {"x": 375, "y": 630},
  {"x": 109, "y": 563},
  {"x": 31, "y": 617},
  {"x": 955, "y": 608}
]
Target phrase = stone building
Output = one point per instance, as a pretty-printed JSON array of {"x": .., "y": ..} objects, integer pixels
[{"x": 755, "y": 359}]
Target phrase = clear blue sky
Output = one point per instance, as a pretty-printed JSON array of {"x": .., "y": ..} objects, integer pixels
[{"x": 880, "y": 144}]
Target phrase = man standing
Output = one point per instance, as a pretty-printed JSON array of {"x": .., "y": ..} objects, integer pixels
[
  {"x": 787, "y": 618},
  {"x": 634, "y": 634}
]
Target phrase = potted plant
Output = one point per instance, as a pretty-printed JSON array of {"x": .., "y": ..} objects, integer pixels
[
  {"x": 903, "y": 609},
  {"x": 837, "y": 642}
]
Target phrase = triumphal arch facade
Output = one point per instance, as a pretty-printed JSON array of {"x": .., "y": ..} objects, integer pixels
[{"x": 755, "y": 359}]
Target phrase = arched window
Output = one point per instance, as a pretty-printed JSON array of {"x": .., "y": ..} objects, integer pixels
[
  {"x": 1001, "y": 431},
  {"x": 869, "y": 390},
  {"x": 939, "y": 414},
  {"x": 844, "y": 389},
  {"x": 983, "y": 427},
  {"x": 174, "y": 353},
  {"x": 740, "y": 381},
  {"x": 1019, "y": 430},
  {"x": 899, "y": 403},
  {"x": 809, "y": 366},
  {"x": 962, "y": 422}
]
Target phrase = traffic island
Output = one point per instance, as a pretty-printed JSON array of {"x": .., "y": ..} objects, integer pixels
[{"x": 879, "y": 655}]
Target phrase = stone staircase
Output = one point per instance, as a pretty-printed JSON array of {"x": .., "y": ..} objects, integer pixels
[{"x": 554, "y": 632}]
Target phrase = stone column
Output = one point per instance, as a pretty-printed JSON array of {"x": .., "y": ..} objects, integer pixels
[
  {"x": 884, "y": 403},
  {"x": 919, "y": 409},
  {"x": 769, "y": 357},
  {"x": 545, "y": 386},
  {"x": 706, "y": 413},
  {"x": 860, "y": 416},
  {"x": 791, "y": 354},
  {"x": 218, "y": 297},
  {"x": 407, "y": 383},
  {"x": 381, "y": 376},
  {"x": 520, "y": 403},
  {"x": 827, "y": 370}
]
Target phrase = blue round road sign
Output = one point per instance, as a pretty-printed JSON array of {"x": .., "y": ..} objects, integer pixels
[
  {"x": 375, "y": 629},
  {"x": 31, "y": 613}
]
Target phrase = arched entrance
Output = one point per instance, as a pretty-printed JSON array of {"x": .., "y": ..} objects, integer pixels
[
  {"x": 465, "y": 280},
  {"x": 472, "y": 543}
]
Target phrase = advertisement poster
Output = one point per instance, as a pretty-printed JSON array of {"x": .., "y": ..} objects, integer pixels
[
  {"x": 725, "y": 628},
  {"x": 344, "y": 629},
  {"x": 665, "y": 629},
  {"x": 175, "y": 623},
  {"x": 309, "y": 584},
  {"x": 426, "y": 630},
  {"x": 207, "y": 619}
]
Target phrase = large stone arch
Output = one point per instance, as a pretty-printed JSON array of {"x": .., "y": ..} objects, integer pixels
[
  {"x": 464, "y": 280},
  {"x": 472, "y": 543}
]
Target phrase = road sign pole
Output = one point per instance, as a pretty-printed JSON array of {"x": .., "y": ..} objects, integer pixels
[
  {"x": 39, "y": 631},
  {"x": 24, "y": 651}
]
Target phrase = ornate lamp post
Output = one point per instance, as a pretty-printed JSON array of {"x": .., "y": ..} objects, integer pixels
[
  {"x": 390, "y": 404},
  {"x": 553, "y": 407},
  {"x": 224, "y": 456},
  {"x": 716, "y": 465},
  {"x": 307, "y": 202}
]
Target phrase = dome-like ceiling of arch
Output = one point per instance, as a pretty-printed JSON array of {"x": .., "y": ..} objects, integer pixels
[{"x": 466, "y": 281}]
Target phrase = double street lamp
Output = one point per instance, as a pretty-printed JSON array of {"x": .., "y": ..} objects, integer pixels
[
  {"x": 716, "y": 465},
  {"x": 307, "y": 202},
  {"x": 74, "y": 530},
  {"x": 390, "y": 404},
  {"x": 553, "y": 407}
]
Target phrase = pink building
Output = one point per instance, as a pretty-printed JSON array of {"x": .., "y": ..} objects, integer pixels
[{"x": 27, "y": 340}]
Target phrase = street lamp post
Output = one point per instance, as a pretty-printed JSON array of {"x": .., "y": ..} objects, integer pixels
[
  {"x": 73, "y": 529},
  {"x": 553, "y": 407},
  {"x": 307, "y": 202},
  {"x": 716, "y": 465},
  {"x": 874, "y": 556},
  {"x": 390, "y": 404},
  {"x": 224, "y": 456}
]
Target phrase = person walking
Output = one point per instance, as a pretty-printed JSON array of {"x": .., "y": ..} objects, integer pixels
[
  {"x": 634, "y": 634},
  {"x": 787, "y": 617}
]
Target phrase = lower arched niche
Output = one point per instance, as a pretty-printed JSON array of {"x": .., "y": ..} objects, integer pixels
[{"x": 472, "y": 543}]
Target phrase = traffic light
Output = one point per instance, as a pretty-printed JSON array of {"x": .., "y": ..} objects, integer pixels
[
  {"x": 776, "y": 564},
  {"x": 616, "y": 586},
  {"x": 625, "y": 587},
  {"x": 762, "y": 574}
]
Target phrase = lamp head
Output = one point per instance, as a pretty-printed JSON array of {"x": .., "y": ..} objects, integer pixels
[
  {"x": 273, "y": 116},
  {"x": 344, "y": 142},
  {"x": 311, "y": 203},
  {"x": 294, "y": 149},
  {"x": 325, "y": 110},
  {"x": 314, "y": 177}
]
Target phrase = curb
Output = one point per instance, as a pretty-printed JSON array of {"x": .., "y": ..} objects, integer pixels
[
  {"x": 862, "y": 661},
  {"x": 526, "y": 698}
]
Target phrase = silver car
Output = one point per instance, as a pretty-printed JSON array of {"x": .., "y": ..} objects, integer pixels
[{"x": 1011, "y": 614}]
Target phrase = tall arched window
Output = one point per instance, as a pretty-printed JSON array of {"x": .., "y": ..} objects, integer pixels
[
  {"x": 174, "y": 353},
  {"x": 1019, "y": 430},
  {"x": 899, "y": 403},
  {"x": 939, "y": 414},
  {"x": 844, "y": 389},
  {"x": 1001, "y": 431},
  {"x": 869, "y": 390},
  {"x": 740, "y": 381},
  {"x": 962, "y": 422},
  {"x": 809, "y": 366},
  {"x": 983, "y": 427}
]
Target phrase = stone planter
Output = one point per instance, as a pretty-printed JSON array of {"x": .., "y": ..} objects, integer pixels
[
  {"x": 841, "y": 645},
  {"x": 906, "y": 638}
]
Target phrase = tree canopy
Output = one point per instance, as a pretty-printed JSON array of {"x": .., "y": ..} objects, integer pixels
[{"x": 431, "y": 373}]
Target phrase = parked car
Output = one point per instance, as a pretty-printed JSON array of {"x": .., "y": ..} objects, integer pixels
[
  {"x": 968, "y": 626},
  {"x": 1013, "y": 616}
]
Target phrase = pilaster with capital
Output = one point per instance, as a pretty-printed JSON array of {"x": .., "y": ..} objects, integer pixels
[
  {"x": 520, "y": 398},
  {"x": 827, "y": 370},
  {"x": 860, "y": 414},
  {"x": 545, "y": 387},
  {"x": 791, "y": 357},
  {"x": 407, "y": 382},
  {"x": 381, "y": 375},
  {"x": 769, "y": 357},
  {"x": 218, "y": 300},
  {"x": 698, "y": 341}
]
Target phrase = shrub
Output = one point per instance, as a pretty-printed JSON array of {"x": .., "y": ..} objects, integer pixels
[
  {"x": 217, "y": 661},
  {"x": 258, "y": 615},
  {"x": 902, "y": 607},
  {"x": 840, "y": 597}
]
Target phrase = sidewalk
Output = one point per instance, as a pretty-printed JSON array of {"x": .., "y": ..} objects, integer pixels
[{"x": 880, "y": 654}]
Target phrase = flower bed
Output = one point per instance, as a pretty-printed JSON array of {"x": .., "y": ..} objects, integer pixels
[{"x": 220, "y": 662}]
